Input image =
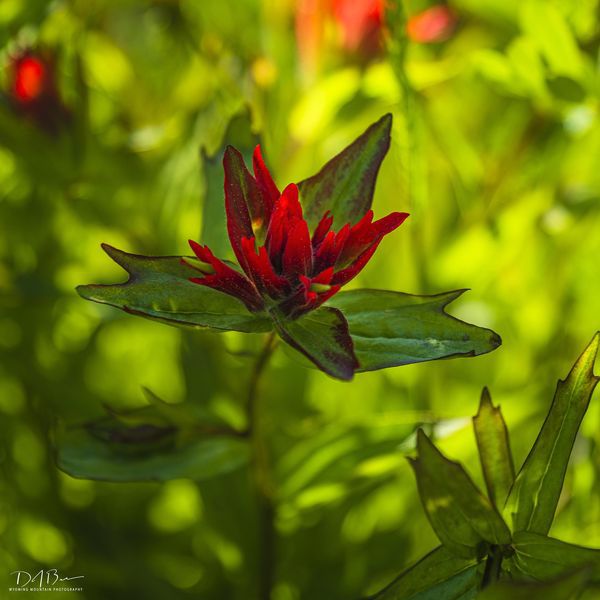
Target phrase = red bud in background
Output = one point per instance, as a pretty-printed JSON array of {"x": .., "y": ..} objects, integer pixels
[
  {"x": 435, "y": 24},
  {"x": 33, "y": 91}
]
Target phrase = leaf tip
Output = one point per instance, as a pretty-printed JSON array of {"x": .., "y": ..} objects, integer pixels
[
  {"x": 422, "y": 440},
  {"x": 387, "y": 121},
  {"x": 486, "y": 398},
  {"x": 587, "y": 359},
  {"x": 495, "y": 340},
  {"x": 119, "y": 256}
]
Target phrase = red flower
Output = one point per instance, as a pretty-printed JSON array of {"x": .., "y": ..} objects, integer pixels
[
  {"x": 30, "y": 78},
  {"x": 434, "y": 24},
  {"x": 361, "y": 22},
  {"x": 286, "y": 268},
  {"x": 34, "y": 92}
]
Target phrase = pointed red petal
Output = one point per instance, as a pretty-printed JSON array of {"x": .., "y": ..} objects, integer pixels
[
  {"x": 345, "y": 275},
  {"x": 288, "y": 239},
  {"x": 260, "y": 270},
  {"x": 322, "y": 228},
  {"x": 265, "y": 182},
  {"x": 297, "y": 256},
  {"x": 248, "y": 210},
  {"x": 328, "y": 252},
  {"x": 365, "y": 233},
  {"x": 225, "y": 279}
]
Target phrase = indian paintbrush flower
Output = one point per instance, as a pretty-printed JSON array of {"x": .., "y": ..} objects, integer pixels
[
  {"x": 285, "y": 267},
  {"x": 295, "y": 249}
]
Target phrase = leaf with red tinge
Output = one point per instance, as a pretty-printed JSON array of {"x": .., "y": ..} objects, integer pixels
[
  {"x": 159, "y": 288},
  {"x": 390, "y": 329},
  {"x": 322, "y": 336},
  {"x": 534, "y": 496},
  {"x": 345, "y": 185}
]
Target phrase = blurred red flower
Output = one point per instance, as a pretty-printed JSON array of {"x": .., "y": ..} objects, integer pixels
[
  {"x": 30, "y": 75},
  {"x": 434, "y": 24},
  {"x": 33, "y": 90}
]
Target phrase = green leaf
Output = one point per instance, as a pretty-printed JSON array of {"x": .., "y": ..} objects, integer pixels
[
  {"x": 565, "y": 88},
  {"x": 462, "y": 517},
  {"x": 534, "y": 496},
  {"x": 341, "y": 455},
  {"x": 322, "y": 336},
  {"x": 391, "y": 329},
  {"x": 345, "y": 185},
  {"x": 494, "y": 450},
  {"x": 143, "y": 445},
  {"x": 440, "y": 574},
  {"x": 568, "y": 587},
  {"x": 158, "y": 288},
  {"x": 543, "y": 557},
  {"x": 546, "y": 26}
]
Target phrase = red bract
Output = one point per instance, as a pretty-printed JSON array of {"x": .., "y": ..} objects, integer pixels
[{"x": 286, "y": 269}]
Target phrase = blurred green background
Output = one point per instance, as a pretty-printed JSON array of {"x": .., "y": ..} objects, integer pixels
[{"x": 495, "y": 153}]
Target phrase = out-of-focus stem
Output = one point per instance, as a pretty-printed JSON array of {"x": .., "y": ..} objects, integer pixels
[{"x": 261, "y": 473}]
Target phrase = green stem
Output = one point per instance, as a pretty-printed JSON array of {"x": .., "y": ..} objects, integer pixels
[
  {"x": 493, "y": 564},
  {"x": 261, "y": 473}
]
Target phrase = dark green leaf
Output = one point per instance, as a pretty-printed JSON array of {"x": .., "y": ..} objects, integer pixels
[
  {"x": 543, "y": 557},
  {"x": 158, "y": 288},
  {"x": 440, "y": 574},
  {"x": 568, "y": 587},
  {"x": 462, "y": 517},
  {"x": 565, "y": 88},
  {"x": 322, "y": 336},
  {"x": 534, "y": 496},
  {"x": 148, "y": 445},
  {"x": 345, "y": 185},
  {"x": 391, "y": 329},
  {"x": 494, "y": 450}
]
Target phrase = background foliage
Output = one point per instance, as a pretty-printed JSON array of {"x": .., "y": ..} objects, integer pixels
[{"x": 494, "y": 153}]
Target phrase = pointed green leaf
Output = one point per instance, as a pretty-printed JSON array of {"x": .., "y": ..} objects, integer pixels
[
  {"x": 534, "y": 496},
  {"x": 440, "y": 574},
  {"x": 345, "y": 185},
  {"x": 158, "y": 288},
  {"x": 143, "y": 445},
  {"x": 494, "y": 450},
  {"x": 568, "y": 587},
  {"x": 322, "y": 336},
  {"x": 391, "y": 329},
  {"x": 543, "y": 557},
  {"x": 462, "y": 517}
]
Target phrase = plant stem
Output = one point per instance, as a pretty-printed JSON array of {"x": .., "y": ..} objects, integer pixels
[
  {"x": 261, "y": 473},
  {"x": 493, "y": 564}
]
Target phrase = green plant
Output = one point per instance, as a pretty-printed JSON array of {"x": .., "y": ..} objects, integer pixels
[{"x": 498, "y": 542}]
